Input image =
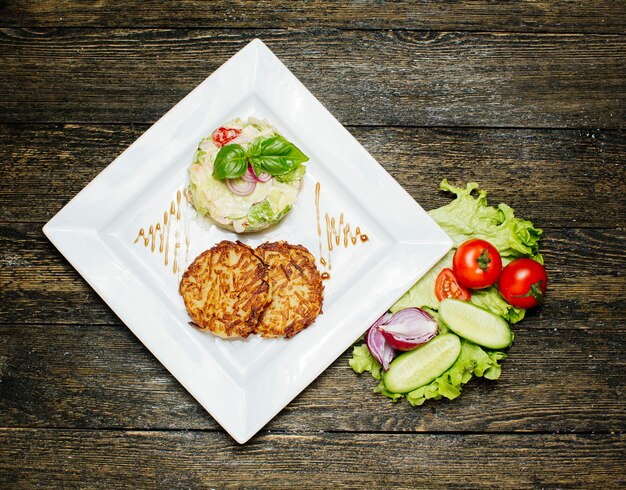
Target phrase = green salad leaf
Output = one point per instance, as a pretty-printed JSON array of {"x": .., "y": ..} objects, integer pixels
[
  {"x": 362, "y": 361},
  {"x": 464, "y": 218},
  {"x": 262, "y": 215},
  {"x": 491, "y": 299},
  {"x": 471, "y": 217},
  {"x": 295, "y": 174}
]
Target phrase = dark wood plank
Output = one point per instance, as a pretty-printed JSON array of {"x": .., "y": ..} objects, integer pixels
[
  {"x": 363, "y": 77},
  {"x": 569, "y": 378},
  {"x": 554, "y": 177},
  {"x": 199, "y": 459},
  {"x": 38, "y": 285},
  {"x": 481, "y": 15}
]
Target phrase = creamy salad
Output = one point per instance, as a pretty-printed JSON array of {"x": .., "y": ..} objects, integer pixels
[{"x": 263, "y": 194}]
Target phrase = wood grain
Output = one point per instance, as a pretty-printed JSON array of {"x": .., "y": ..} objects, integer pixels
[
  {"x": 478, "y": 15},
  {"x": 548, "y": 176},
  {"x": 199, "y": 459},
  {"x": 363, "y": 77},
  {"x": 563, "y": 379}
]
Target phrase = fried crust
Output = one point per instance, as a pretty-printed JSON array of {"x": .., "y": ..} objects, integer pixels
[
  {"x": 295, "y": 286},
  {"x": 225, "y": 289}
]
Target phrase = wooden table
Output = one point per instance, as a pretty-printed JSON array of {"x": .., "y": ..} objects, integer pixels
[{"x": 527, "y": 98}]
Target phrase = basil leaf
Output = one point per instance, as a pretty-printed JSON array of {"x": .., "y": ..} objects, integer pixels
[
  {"x": 230, "y": 162},
  {"x": 274, "y": 155}
]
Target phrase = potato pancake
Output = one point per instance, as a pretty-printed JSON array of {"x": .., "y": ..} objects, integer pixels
[
  {"x": 295, "y": 286},
  {"x": 225, "y": 289}
]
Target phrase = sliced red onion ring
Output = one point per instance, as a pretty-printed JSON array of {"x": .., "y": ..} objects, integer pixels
[
  {"x": 409, "y": 328},
  {"x": 251, "y": 176},
  {"x": 263, "y": 177},
  {"x": 240, "y": 186},
  {"x": 379, "y": 347}
]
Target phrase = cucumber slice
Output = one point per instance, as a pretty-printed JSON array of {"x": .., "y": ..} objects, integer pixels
[
  {"x": 475, "y": 324},
  {"x": 420, "y": 366}
]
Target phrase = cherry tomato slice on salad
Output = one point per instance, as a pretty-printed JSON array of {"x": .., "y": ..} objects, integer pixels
[
  {"x": 523, "y": 283},
  {"x": 221, "y": 136},
  {"x": 477, "y": 264},
  {"x": 446, "y": 286}
]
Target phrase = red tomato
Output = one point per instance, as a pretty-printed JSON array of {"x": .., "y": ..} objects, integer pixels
[
  {"x": 523, "y": 283},
  {"x": 221, "y": 136},
  {"x": 476, "y": 264},
  {"x": 446, "y": 286}
]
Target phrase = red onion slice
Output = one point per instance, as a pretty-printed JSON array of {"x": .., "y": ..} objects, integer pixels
[
  {"x": 378, "y": 345},
  {"x": 251, "y": 176},
  {"x": 240, "y": 186},
  {"x": 263, "y": 177},
  {"x": 409, "y": 328},
  {"x": 383, "y": 319}
]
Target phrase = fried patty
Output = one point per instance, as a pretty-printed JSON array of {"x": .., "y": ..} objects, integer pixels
[
  {"x": 225, "y": 289},
  {"x": 296, "y": 289}
]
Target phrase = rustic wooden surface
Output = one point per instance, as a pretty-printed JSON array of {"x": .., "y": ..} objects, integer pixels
[{"x": 528, "y": 98}]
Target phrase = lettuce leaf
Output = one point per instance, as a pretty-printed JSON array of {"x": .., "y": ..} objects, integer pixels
[
  {"x": 293, "y": 175},
  {"x": 471, "y": 217},
  {"x": 491, "y": 299},
  {"x": 362, "y": 361}
]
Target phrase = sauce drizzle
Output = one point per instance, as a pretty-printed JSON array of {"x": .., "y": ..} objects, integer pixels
[
  {"x": 162, "y": 231},
  {"x": 337, "y": 231}
]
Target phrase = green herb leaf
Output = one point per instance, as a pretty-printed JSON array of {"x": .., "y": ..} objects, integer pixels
[
  {"x": 274, "y": 155},
  {"x": 230, "y": 162}
]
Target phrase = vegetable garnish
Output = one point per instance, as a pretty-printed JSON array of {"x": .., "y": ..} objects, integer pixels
[
  {"x": 523, "y": 283},
  {"x": 476, "y": 264},
  {"x": 422, "y": 365},
  {"x": 273, "y": 156},
  {"x": 221, "y": 136},
  {"x": 447, "y": 286},
  {"x": 475, "y": 324},
  {"x": 240, "y": 186},
  {"x": 406, "y": 330},
  {"x": 483, "y": 318},
  {"x": 379, "y": 347},
  {"x": 250, "y": 176},
  {"x": 409, "y": 328}
]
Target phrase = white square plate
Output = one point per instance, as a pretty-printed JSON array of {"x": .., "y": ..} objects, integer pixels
[{"x": 244, "y": 383}]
